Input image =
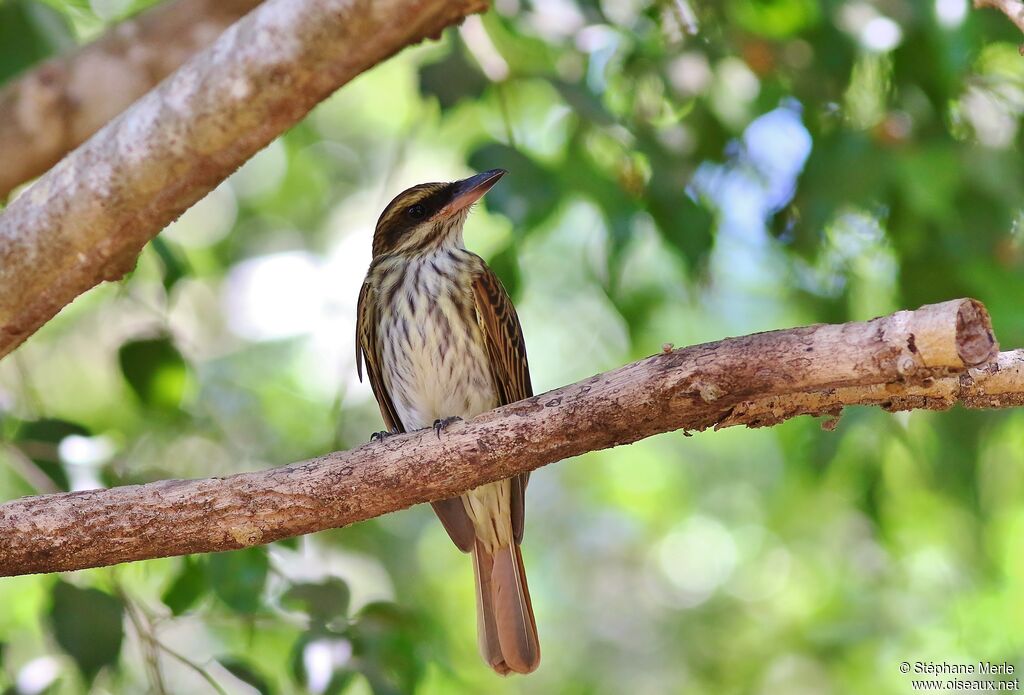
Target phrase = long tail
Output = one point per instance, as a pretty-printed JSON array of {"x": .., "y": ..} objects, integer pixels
[{"x": 506, "y": 630}]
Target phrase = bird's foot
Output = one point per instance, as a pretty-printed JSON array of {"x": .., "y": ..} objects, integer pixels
[
  {"x": 380, "y": 436},
  {"x": 441, "y": 424}
]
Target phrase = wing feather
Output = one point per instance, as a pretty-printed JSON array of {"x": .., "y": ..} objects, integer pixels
[
  {"x": 368, "y": 352},
  {"x": 506, "y": 352}
]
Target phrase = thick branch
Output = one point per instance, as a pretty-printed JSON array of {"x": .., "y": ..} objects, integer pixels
[
  {"x": 995, "y": 384},
  {"x": 920, "y": 353},
  {"x": 1013, "y": 9},
  {"x": 86, "y": 220},
  {"x": 54, "y": 107}
]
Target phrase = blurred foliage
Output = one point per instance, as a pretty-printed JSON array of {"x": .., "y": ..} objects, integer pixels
[
  {"x": 87, "y": 624},
  {"x": 790, "y": 162}
]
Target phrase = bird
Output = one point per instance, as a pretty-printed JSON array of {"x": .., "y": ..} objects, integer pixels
[{"x": 441, "y": 341}]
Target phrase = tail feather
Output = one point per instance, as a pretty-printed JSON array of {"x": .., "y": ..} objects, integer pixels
[
  {"x": 486, "y": 628},
  {"x": 517, "y": 630},
  {"x": 507, "y": 631}
]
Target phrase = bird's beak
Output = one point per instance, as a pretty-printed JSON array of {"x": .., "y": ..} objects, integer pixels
[{"x": 468, "y": 191}]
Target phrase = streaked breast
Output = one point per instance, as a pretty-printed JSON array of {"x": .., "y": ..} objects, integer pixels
[{"x": 434, "y": 363}]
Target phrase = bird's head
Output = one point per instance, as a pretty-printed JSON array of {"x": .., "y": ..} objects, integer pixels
[{"x": 429, "y": 215}]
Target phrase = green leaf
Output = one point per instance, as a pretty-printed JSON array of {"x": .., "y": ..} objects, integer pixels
[
  {"x": 776, "y": 19},
  {"x": 49, "y": 430},
  {"x": 685, "y": 224},
  {"x": 340, "y": 680},
  {"x": 528, "y": 194},
  {"x": 322, "y": 602},
  {"x": 88, "y": 625},
  {"x": 246, "y": 673},
  {"x": 841, "y": 171},
  {"x": 505, "y": 264},
  {"x": 385, "y": 640},
  {"x": 156, "y": 372},
  {"x": 174, "y": 262},
  {"x": 453, "y": 78},
  {"x": 525, "y": 53},
  {"x": 187, "y": 587},
  {"x": 38, "y": 439},
  {"x": 29, "y": 32},
  {"x": 238, "y": 577}
]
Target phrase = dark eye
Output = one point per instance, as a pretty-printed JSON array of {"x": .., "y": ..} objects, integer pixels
[{"x": 416, "y": 211}]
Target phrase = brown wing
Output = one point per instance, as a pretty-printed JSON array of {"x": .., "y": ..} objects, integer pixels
[
  {"x": 506, "y": 352},
  {"x": 450, "y": 511},
  {"x": 367, "y": 349}
]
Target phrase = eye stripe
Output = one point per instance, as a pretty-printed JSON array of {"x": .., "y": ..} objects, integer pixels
[{"x": 395, "y": 221}]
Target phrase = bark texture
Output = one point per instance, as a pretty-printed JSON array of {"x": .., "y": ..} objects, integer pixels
[
  {"x": 929, "y": 358},
  {"x": 86, "y": 220},
  {"x": 54, "y": 107}
]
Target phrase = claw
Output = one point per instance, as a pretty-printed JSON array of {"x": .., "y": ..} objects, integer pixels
[
  {"x": 442, "y": 423},
  {"x": 380, "y": 436}
]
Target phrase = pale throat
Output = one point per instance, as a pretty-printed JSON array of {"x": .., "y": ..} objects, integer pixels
[{"x": 449, "y": 232}]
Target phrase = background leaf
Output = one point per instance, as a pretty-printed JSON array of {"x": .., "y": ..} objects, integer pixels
[
  {"x": 244, "y": 671},
  {"x": 29, "y": 32},
  {"x": 323, "y": 602},
  {"x": 237, "y": 578},
  {"x": 155, "y": 371},
  {"x": 188, "y": 586},
  {"x": 528, "y": 194},
  {"x": 88, "y": 625},
  {"x": 40, "y": 439}
]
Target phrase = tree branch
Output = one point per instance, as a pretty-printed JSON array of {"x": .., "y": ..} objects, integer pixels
[
  {"x": 86, "y": 220},
  {"x": 1013, "y": 9},
  {"x": 54, "y": 107},
  {"x": 995, "y": 384},
  {"x": 909, "y": 359}
]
